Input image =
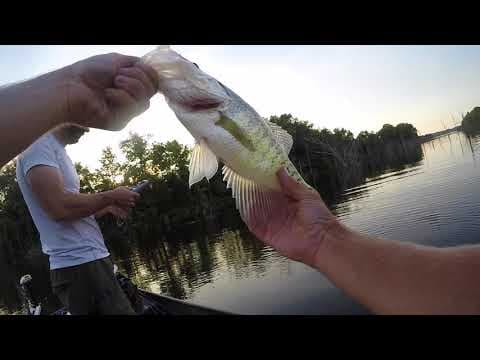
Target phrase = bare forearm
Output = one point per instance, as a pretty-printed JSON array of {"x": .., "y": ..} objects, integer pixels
[
  {"x": 76, "y": 206},
  {"x": 393, "y": 277},
  {"x": 29, "y": 109}
]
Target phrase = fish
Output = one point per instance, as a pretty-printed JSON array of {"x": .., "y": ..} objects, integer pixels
[{"x": 226, "y": 129}]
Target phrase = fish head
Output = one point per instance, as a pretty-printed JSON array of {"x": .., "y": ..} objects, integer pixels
[{"x": 183, "y": 83}]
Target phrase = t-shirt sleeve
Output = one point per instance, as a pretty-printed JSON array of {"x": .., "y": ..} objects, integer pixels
[{"x": 36, "y": 155}]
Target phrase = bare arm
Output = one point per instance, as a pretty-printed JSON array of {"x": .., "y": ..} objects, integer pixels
[
  {"x": 114, "y": 210},
  {"x": 394, "y": 277},
  {"x": 47, "y": 185},
  {"x": 30, "y": 109},
  {"x": 104, "y": 91},
  {"x": 387, "y": 276}
]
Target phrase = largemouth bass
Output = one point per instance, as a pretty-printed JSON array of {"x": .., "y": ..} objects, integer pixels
[{"x": 225, "y": 129}]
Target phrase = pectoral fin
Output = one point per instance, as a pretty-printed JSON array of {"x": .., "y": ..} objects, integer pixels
[{"x": 203, "y": 163}]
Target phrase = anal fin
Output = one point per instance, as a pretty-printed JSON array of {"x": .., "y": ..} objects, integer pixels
[{"x": 251, "y": 199}]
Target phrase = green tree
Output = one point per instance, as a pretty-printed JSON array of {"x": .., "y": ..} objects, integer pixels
[
  {"x": 367, "y": 136},
  {"x": 471, "y": 121},
  {"x": 88, "y": 179},
  {"x": 170, "y": 157},
  {"x": 387, "y": 132},
  {"x": 138, "y": 156},
  {"x": 110, "y": 170},
  {"x": 406, "y": 131},
  {"x": 17, "y": 231},
  {"x": 343, "y": 135}
]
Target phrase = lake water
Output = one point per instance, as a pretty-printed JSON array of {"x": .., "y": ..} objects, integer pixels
[{"x": 435, "y": 201}]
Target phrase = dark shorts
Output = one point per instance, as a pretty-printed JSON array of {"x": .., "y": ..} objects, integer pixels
[{"x": 90, "y": 289}]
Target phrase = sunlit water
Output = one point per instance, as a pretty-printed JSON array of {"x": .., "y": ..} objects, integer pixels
[{"x": 434, "y": 202}]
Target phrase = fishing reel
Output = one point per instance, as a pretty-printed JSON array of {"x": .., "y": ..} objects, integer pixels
[
  {"x": 142, "y": 185},
  {"x": 139, "y": 188}
]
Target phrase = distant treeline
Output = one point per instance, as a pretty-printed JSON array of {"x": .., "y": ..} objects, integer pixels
[
  {"x": 471, "y": 121},
  {"x": 331, "y": 161},
  {"x": 335, "y": 160}
]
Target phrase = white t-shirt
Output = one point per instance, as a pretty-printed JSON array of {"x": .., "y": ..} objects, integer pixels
[{"x": 66, "y": 242}]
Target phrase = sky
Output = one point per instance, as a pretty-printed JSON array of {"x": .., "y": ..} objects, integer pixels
[{"x": 355, "y": 87}]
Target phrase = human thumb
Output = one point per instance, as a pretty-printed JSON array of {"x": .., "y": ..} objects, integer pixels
[{"x": 290, "y": 187}]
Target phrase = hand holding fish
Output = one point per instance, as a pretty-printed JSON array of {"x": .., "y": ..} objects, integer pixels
[
  {"x": 104, "y": 92},
  {"x": 107, "y": 91},
  {"x": 298, "y": 225}
]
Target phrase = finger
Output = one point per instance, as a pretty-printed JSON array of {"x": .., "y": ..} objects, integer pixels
[
  {"x": 135, "y": 195},
  {"x": 136, "y": 73},
  {"x": 114, "y": 212},
  {"x": 119, "y": 99},
  {"x": 129, "y": 200},
  {"x": 296, "y": 190},
  {"x": 121, "y": 213},
  {"x": 133, "y": 86},
  {"x": 140, "y": 74},
  {"x": 127, "y": 204},
  {"x": 289, "y": 186},
  {"x": 125, "y": 60},
  {"x": 151, "y": 73},
  {"x": 123, "y": 107}
]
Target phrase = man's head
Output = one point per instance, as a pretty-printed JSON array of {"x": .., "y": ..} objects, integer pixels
[{"x": 71, "y": 133}]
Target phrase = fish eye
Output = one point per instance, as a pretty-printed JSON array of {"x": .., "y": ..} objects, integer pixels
[{"x": 196, "y": 65}]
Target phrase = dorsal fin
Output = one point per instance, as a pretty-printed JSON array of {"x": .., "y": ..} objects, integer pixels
[{"x": 282, "y": 136}]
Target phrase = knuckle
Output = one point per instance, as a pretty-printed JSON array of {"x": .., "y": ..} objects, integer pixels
[
  {"x": 137, "y": 71},
  {"x": 134, "y": 85}
]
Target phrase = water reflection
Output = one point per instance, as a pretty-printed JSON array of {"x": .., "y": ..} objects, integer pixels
[
  {"x": 179, "y": 263},
  {"x": 346, "y": 201},
  {"x": 218, "y": 263},
  {"x": 439, "y": 205}
]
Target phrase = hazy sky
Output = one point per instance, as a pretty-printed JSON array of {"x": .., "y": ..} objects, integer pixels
[{"x": 356, "y": 87}]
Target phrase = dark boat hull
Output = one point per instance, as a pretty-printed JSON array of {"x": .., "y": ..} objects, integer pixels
[
  {"x": 155, "y": 304},
  {"x": 148, "y": 303},
  {"x": 143, "y": 302}
]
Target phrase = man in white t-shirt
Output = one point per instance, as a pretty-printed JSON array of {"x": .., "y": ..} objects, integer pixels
[{"x": 80, "y": 266}]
